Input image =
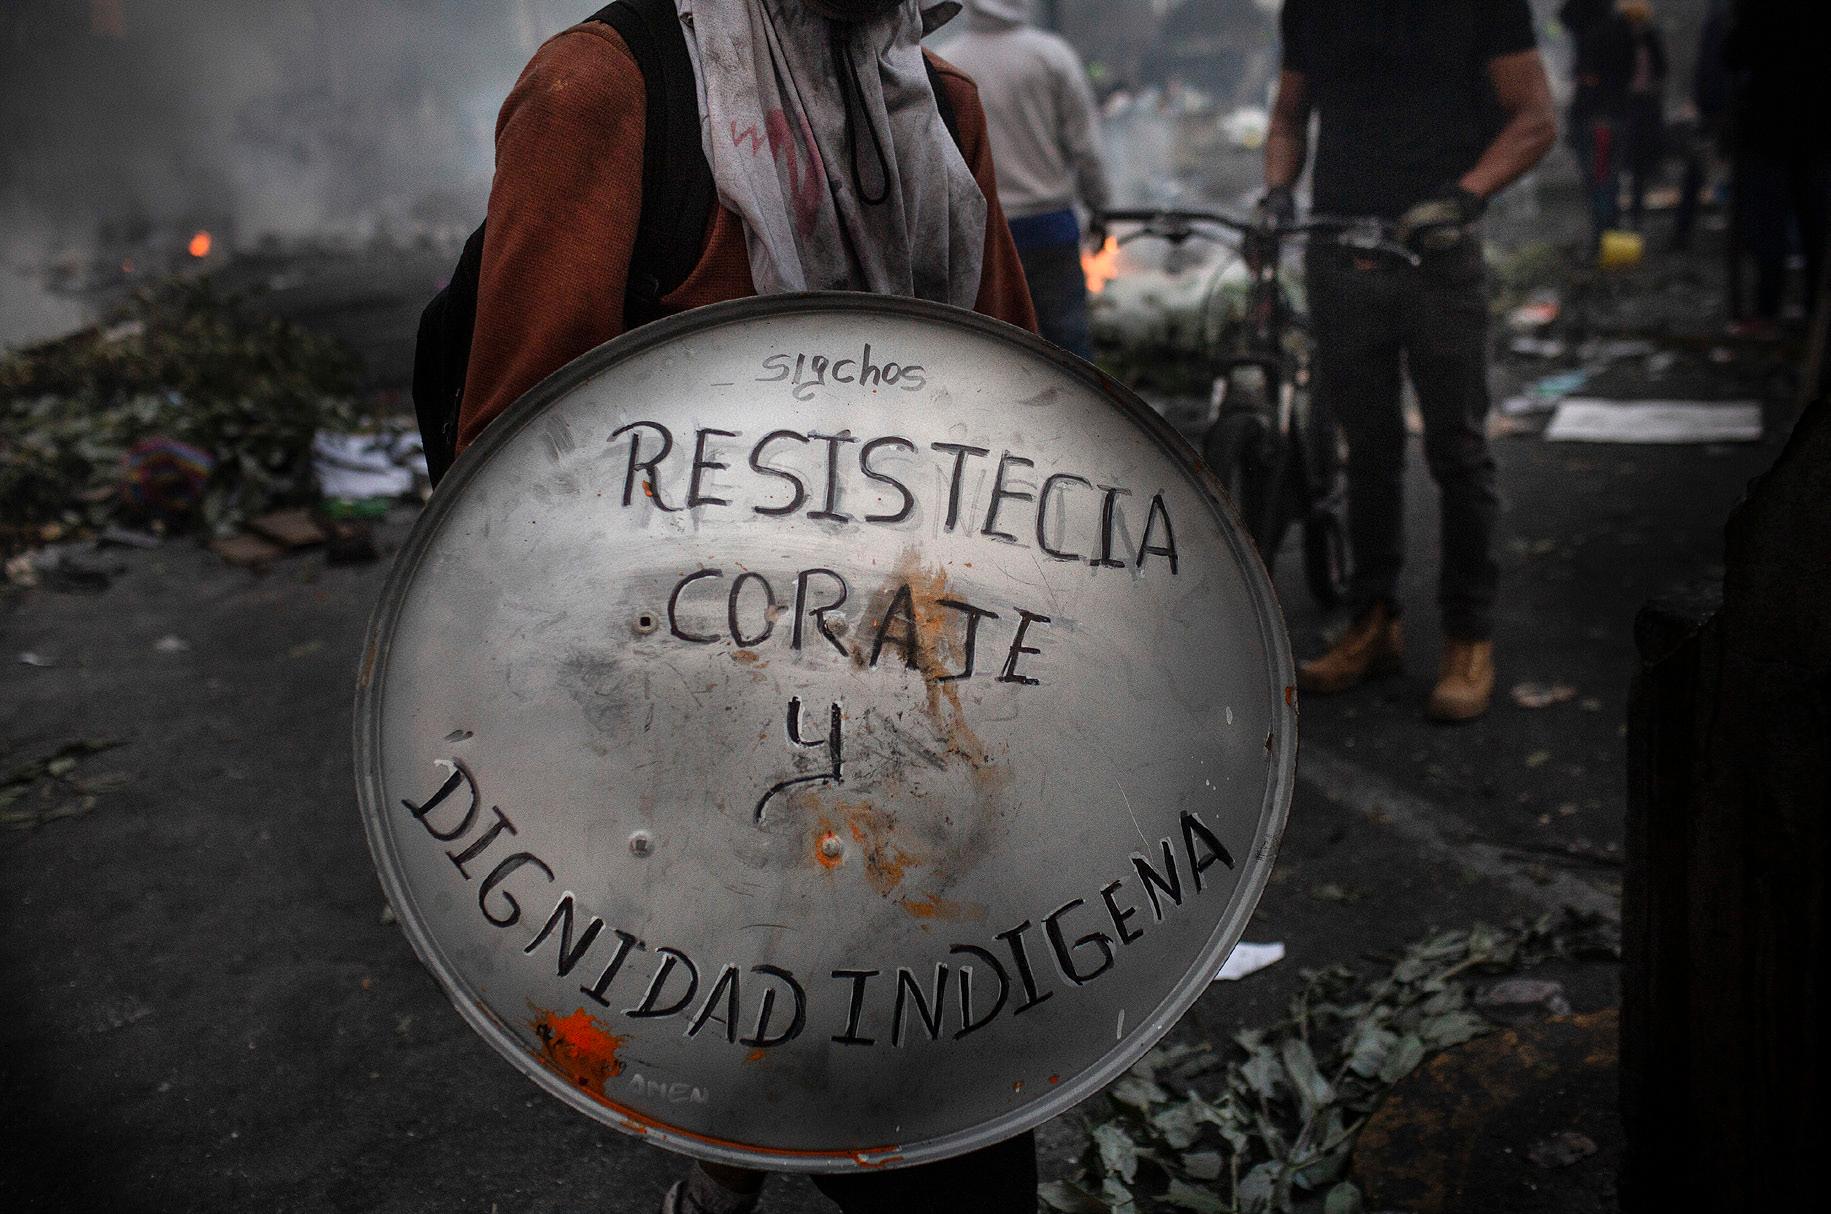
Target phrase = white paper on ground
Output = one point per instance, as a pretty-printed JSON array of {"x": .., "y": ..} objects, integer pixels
[
  {"x": 359, "y": 466},
  {"x": 1526, "y": 403},
  {"x": 1585, "y": 420},
  {"x": 1247, "y": 958}
]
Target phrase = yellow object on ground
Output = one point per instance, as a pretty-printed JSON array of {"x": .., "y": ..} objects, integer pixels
[{"x": 1620, "y": 250}]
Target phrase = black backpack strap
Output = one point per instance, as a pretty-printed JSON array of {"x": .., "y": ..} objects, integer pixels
[
  {"x": 943, "y": 102},
  {"x": 677, "y": 189}
]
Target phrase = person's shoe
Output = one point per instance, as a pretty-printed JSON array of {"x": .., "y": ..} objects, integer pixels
[
  {"x": 1373, "y": 645},
  {"x": 700, "y": 1194},
  {"x": 1465, "y": 681}
]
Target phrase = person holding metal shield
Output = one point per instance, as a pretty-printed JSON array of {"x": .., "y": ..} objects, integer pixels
[
  {"x": 843, "y": 157},
  {"x": 832, "y": 157},
  {"x": 1426, "y": 109}
]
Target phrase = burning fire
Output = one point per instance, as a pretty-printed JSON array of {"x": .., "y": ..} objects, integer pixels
[
  {"x": 201, "y": 244},
  {"x": 1102, "y": 267}
]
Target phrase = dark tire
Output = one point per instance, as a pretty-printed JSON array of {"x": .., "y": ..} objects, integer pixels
[
  {"x": 1236, "y": 450},
  {"x": 1326, "y": 563}
]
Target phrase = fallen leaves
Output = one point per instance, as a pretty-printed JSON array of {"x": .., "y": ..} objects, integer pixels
[
  {"x": 1268, "y": 1124},
  {"x": 46, "y": 789},
  {"x": 233, "y": 398},
  {"x": 1561, "y": 1150}
]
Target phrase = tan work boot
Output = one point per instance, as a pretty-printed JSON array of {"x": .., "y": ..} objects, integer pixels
[
  {"x": 1465, "y": 681},
  {"x": 1373, "y": 645}
]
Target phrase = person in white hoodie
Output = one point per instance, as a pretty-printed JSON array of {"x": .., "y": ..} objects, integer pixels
[{"x": 1044, "y": 127}]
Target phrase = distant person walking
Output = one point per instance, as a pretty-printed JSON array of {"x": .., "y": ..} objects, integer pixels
[
  {"x": 1041, "y": 115},
  {"x": 1710, "y": 94},
  {"x": 1643, "y": 117},
  {"x": 1601, "y": 72},
  {"x": 1781, "y": 118}
]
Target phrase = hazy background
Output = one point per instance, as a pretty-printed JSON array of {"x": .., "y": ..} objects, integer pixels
[
  {"x": 127, "y": 125},
  {"x": 135, "y": 122}
]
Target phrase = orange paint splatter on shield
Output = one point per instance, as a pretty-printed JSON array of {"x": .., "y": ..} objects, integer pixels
[
  {"x": 933, "y": 906},
  {"x": 578, "y": 1048},
  {"x": 886, "y": 864},
  {"x": 828, "y": 851}
]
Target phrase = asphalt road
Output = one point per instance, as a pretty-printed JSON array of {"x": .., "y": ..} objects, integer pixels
[{"x": 202, "y": 1007}]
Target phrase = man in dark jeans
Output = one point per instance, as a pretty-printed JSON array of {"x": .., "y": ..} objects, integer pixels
[{"x": 1426, "y": 109}]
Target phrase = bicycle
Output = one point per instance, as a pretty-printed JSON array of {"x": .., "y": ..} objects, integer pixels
[{"x": 1279, "y": 460}]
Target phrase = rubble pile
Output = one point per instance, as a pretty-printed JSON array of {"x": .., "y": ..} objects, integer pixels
[{"x": 184, "y": 410}]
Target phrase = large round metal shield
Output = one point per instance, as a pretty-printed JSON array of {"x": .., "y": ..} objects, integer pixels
[{"x": 826, "y": 732}]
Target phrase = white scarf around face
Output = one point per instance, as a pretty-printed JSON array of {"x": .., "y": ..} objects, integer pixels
[{"x": 797, "y": 110}]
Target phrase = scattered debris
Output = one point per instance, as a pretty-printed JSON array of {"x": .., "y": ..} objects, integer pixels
[
  {"x": 1247, "y": 127},
  {"x": 28, "y": 658},
  {"x": 247, "y": 551},
  {"x": 1538, "y": 758},
  {"x": 118, "y": 536},
  {"x": 1329, "y": 891},
  {"x": 1615, "y": 349},
  {"x": 294, "y": 528},
  {"x": 43, "y": 790},
  {"x": 355, "y": 467},
  {"x": 1526, "y": 992},
  {"x": 1540, "y": 695},
  {"x": 22, "y": 571},
  {"x": 172, "y": 644},
  {"x": 1541, "y": 309},
  {"x": 1502, "y": 426},
  {"x": 1655, "y": 421},
  {"x": 1270, "y": 1122},
  {"x": 1537, "y": 347},
  {"x": 186, "y": 407},
  {"x": 1561, "y": 1150},
  {"x": 1544, "y": 394},
  {"x": 57, "y": 567},
  {"x": 350, "y": 542},
  {"x": 1247, "y": 958},
  {"x": 1618, "y": 250},
  {"x": 76, "y": 577},
  {"x": 110, "y": 1014}
]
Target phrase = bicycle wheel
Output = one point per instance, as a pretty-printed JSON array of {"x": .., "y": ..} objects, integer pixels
[{"x": 1236, "y": 449}]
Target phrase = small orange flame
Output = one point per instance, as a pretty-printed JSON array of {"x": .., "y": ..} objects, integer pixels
[
  {"x": 1102, "y": 267},
  {"x": 201, "y": 244}
]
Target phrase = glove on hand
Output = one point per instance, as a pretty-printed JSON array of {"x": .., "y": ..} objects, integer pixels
[
  {"x": 1095, "y": 236},
  {"x": 1277, "y": 208},
  {"x": 1441, "y": 222}
]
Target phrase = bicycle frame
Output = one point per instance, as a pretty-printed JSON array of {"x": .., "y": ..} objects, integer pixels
[{"x": 1295, "y": 481}]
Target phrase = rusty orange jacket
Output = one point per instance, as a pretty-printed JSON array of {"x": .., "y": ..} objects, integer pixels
[{"x": 563, "y": 215}]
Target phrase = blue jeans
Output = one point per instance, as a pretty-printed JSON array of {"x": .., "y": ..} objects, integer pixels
[{"x": 1050, "y": 248}]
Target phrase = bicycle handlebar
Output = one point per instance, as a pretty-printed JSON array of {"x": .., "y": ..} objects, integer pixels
[{"x": 1367, "y": 235}]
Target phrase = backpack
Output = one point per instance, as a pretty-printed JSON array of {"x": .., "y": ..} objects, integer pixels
[{"x": 677, "y": 200}]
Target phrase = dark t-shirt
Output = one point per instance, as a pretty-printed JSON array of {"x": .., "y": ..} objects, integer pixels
[{"x": 1402, "y": 93}]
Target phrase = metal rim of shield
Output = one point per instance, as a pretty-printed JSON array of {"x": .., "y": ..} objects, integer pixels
[{"x": 660, "y": 1106}]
